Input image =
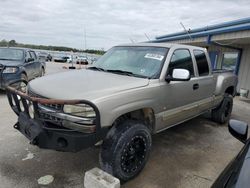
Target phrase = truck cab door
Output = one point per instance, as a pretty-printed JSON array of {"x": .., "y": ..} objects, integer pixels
[{"x": 179, "y": 98}]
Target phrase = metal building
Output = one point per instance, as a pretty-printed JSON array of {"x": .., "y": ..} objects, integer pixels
[{"x": 228, "y": 45}]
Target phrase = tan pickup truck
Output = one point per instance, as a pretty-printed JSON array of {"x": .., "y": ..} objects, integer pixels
[{"x": 130, "y": 93}]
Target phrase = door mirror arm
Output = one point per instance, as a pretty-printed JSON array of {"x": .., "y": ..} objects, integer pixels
[{"x": 27, "y": 60}]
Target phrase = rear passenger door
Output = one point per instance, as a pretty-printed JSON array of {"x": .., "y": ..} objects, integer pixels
[{"x": 206, "y": 81}]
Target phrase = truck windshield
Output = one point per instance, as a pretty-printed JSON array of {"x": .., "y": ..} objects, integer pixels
[
  {"x": 11, "y": 54},
  {"x": 133, "y": 60}
]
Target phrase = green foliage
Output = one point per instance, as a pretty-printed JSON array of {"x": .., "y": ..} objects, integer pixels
[{"x": 13, "y": 43}]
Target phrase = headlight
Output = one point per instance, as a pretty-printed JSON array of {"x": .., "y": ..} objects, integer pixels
[
  {"x": 82, "y": 110},
  {"x": 10, "y": 70}
]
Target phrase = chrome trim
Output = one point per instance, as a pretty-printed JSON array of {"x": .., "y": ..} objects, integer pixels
[{"x": 68, "y": 117}]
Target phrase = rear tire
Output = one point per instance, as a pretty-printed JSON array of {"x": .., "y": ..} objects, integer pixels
[
  {"x": 126, "y": 149},
  {"x": 222, "y": 113},
  {"x": 42, "y": 72}
]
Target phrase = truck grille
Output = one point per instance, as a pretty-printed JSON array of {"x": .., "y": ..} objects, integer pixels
[{"x": 47, "y": 116}]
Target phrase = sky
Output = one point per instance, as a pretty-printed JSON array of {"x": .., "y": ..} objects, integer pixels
[{"x": 106, "y": 23}]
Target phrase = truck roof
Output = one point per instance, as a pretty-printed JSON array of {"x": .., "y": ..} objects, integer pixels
[{"x": 166, "y": 45}]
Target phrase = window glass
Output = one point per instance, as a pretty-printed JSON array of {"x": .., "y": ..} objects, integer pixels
[
  {"x": 33, "y": 55},
  {"x": 202, "y": 63},
  {"x": 141, "y": 61},
  {"x": 28, "y": 55},
  {"x": 229, "y": 61},
  {"x": 181, "y": 59},
  {"x": 11, "y": 54}
]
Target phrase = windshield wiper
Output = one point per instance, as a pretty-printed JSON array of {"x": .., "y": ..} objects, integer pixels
[
  {"x": 96, "y": 68},
  {"x": 4, "y": 59},
  {"x": 126, "y": 73}
]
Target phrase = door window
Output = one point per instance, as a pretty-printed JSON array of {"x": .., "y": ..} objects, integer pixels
[
  {"x": 181, "y": 59},
  {"x": 33, "y": 55},
  {"x": 202, "y": 63},
  {"x": 28, "y": 55}
]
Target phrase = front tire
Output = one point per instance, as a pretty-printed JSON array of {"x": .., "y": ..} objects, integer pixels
[
  {"x": 126, "y": 149},
  {"x": 222, "y": 113}
]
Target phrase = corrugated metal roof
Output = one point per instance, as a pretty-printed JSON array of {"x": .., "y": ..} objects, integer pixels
[{"x": 227, "y": 27}]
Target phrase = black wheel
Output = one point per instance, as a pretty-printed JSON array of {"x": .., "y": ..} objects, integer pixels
[
  {"x": 126, "y": 149},
  {"x": 222, "y": 113}
]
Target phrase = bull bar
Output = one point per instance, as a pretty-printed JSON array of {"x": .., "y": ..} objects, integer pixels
[{"x": 45, "y": 133}]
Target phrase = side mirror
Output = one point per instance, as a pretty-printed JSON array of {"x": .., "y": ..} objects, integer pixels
[
  {"x": 238, "y": 129},
  {"x": 29, "y": 59},
  {"x": 179, "y": 75}
]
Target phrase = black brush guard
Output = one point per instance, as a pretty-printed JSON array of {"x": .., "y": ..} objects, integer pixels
[{"x": 44, "y": 133}]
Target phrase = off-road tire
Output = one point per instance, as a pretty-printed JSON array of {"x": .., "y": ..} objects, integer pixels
[
  {"x": 222, "y": 113},
  {"x": 126, "y": 149}
]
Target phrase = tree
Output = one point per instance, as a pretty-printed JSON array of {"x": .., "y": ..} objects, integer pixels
[
  {"x": 4, "y": 42},
  {"x": 12, "y": 43}
]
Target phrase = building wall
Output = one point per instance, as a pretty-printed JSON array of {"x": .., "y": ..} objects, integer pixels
[{"x": 244, "y": 71}]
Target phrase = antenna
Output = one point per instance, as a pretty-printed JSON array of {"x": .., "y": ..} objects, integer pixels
[
  {"x": 186, "y": 31},
  {"x": 147, "y": 36}
]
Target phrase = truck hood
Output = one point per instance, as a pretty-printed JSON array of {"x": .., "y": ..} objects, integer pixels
[
  {"x": 9, "y": 63},
  {"x": 83, "y": 84}
]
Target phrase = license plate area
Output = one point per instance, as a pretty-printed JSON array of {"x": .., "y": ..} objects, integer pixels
[{"x": 28, "y": 127}]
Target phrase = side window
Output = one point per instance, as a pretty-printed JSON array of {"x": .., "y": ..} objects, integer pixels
[
  {"x": 27, "y": 55},
  {"x": 181, "y": 59},
  {"x": 33, "y": 55},
  {"x": 202, "y": 63}
]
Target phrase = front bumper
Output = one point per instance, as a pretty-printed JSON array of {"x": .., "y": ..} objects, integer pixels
[{"x": 46, "y": 134}]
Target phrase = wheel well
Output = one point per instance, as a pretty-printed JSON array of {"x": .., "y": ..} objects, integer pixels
[
  {"x": 24, "y": 73},
  {"x": 230, "y": 90},
  {"x": 146, "y": 115}
]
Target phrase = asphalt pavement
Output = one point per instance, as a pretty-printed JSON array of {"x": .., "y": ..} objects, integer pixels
[{"x": 189, "y": 155}]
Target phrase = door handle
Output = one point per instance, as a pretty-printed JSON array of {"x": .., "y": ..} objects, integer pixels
[{"x": 196, "y": 86}]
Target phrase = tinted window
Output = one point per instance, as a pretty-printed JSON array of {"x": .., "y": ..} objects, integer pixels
[
  {"x": 202, "y": 63},
  {"x": 33, "y": 55},
  {"x": 181, "y": 59}
]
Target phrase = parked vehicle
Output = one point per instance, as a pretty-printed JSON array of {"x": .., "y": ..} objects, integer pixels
[
  {"x": 19, "y": 63},
  {"x": 130, "y": 93},
  {"x": 237, "y": 172},
  {"x": 69, "y": 59},
  {"x": 82, "y": 60},
  {"x": 49, "y": 57},
  {"x": 60, "y": 58},
  {"x": 44, "y": 56}
]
